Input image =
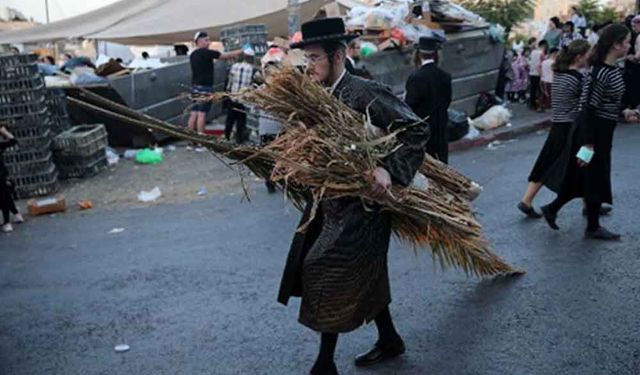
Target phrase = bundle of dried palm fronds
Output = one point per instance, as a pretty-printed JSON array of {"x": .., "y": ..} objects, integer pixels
[
  {"x": 326, "y": 147},
  {"x": 326, "y": 150}
]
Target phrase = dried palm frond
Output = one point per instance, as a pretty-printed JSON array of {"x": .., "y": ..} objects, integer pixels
[
  {"x": 324, "y": 153},
  {"x": 326, "y": 147}
]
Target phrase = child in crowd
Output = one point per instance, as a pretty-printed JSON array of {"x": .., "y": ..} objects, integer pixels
[
  {"x": 546, "y": 79},
  {"x": 568, "y": 34},
  {"x": 535, "y": 66},
  {"x": 518, "y": 86},
  {"x": 594, "y": 36}
]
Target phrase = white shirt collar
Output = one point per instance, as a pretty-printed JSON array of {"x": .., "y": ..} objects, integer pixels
[
  {"x": 428, "y": 61},
  {"x": 337, "y": 82}
]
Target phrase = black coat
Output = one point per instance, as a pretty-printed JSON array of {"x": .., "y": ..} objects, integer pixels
[
  {"x": 339, "y": 264},
  {"x": 429, "y": 95},
  {"x": 4, "y": 145},
  {"x": 6, "y": 187}
]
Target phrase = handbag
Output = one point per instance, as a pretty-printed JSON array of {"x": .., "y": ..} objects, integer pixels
[{"x": 582, "y": 118}]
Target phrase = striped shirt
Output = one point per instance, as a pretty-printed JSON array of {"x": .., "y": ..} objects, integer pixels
[
  {"x": 608, "y": 90},
  {"x": 565, "y": 96}
]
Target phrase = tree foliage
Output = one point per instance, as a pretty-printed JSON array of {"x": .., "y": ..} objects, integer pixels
[
  {"x": 595, "y": 13},
  {"x": 508, "y": 13},
  {"x": 608, "y": 14}
]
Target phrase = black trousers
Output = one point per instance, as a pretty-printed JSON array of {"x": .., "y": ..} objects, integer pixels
[
  {"x": 7, "y": 204},
  {"x": 534, "y": 89},
  {"x": 236, "y": 115}
]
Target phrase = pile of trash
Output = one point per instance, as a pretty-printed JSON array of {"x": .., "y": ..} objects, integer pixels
[
  {"x": 397, "y": 23},
  {"x": 490, "y": 113}
]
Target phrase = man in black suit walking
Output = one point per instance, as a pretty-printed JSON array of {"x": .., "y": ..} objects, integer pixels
[{"x": 429, "y": 95}]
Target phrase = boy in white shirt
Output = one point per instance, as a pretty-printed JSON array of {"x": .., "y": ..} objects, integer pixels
[
  {"x": 546, "y": 79},
  {"x": 535, "y": 66}
]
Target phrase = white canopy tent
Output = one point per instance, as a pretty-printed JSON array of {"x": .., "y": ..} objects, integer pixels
[{"x": 153, "y": 22}]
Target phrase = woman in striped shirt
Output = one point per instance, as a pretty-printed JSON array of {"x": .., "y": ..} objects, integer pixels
[
  {"x": 565, "y": 95},
  {"x": 590, "y": 177}
]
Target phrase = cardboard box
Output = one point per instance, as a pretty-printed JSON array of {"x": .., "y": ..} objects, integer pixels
[{"x": 44, "y": 206}]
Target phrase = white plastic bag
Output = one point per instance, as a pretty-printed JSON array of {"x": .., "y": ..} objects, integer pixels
[
  {"x": 149, "y": 196},
  {"x": 495, "y": 117}
]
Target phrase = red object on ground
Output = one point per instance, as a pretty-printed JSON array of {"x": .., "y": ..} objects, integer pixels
[{"x": 214, "y": 131}]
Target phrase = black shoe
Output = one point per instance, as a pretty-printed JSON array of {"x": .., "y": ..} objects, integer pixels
[
  {"x": 380, "y": 353},
  {"x": 602, "y": 234},
  {"x": 550, "y": 217},
  {"x": 329, "y": 369},
  {"x": 529, "y": 211},
  {"x": 604, "y": 210}
]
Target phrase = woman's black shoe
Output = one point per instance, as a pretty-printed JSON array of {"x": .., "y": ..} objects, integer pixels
[
  {"x": 328, "y": 369},
  {"x": 380, "y": 353},
  {"x": 529, "y": 211},
  {"x": 602, "y": 234},
  {"x": 550, "y": 217}
]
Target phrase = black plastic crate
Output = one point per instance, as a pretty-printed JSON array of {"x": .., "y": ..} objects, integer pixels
[
  {"x": 39, "y": 184},
  {"x": 83, "y": 170},
  {"x": 27, "y": 168},
  {"x": 35, "y": 82},
  {"x": 81, "y": 140},
  {"x": 19, "y": 154},
  {"x": 32, "y": 137},
  {"x": 72, "y": 160},
  {"x": 8, "y": 60},
  {"x": 8, "y": 111},
  {"x": 30, "y": 120},
  {"x": 57, "y": 102},
  {"x": 60, "y": 124},
  {"x": 18, "y": 71},
  {"x": 22, "y": 96},
  {"x": 243, "y": 29}
]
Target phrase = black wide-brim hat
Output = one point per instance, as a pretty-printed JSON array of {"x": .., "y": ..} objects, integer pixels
[
  {"x": 323, "y": 30},
  {"x": 429, "y": 44}
]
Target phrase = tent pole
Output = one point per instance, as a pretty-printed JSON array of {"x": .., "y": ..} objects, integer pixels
[
  {"x": 46, "y": 8},
  {"x": 294, "y": 16}
]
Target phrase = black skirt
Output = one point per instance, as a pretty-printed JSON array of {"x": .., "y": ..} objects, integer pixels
[
  {"x": 593, "y": 182},
  {"x": 631, "y": 97},
  {"x": 556, "y": 142}
]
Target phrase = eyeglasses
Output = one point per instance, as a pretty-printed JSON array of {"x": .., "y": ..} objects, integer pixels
[{"x": 313, "y": 59}]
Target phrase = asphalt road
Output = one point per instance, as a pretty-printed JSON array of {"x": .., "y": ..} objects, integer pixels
[{"x": 192, "y": 287}]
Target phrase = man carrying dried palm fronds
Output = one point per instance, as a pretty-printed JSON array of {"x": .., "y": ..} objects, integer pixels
[{"x": 338, "y": 265}]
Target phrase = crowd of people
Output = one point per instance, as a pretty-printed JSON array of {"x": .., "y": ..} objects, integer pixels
[
  {"x": 590, "y": 91},
  {"x": 529, "y": 75}
]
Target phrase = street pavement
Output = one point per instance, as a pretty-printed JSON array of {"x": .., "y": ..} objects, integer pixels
[{"x": 191, "y": 288}]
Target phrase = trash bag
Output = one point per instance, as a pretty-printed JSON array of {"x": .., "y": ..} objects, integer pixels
[
  {"x": 485, "y": 101},
  {"x": 149, "y": 196},
  {"x": 497, "y": 33},
  {"x": 458, "y": 126},
  {"x": 495, "y": 117},
  {"x": 367, "y": 49},
  {"x": 148, "y": 156}
]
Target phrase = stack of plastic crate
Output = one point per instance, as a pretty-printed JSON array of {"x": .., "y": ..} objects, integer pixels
[
  {"x": 57, "y": 105},
  {"x": 236, "y": 37},
  {"x": 24, "y": 111},
  {"x": 81, "y": 151}
]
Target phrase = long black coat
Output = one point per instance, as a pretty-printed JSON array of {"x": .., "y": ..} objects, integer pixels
[
  {"x": 339, "y": 265},
  {"x": 429, "y": 95}
]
